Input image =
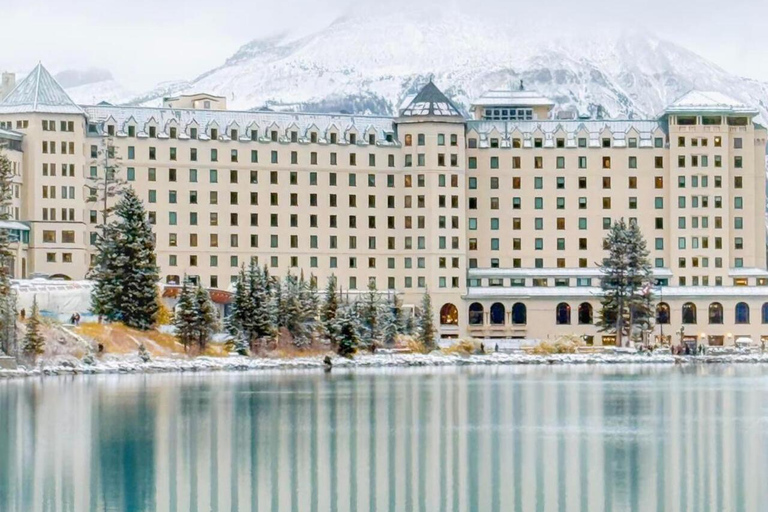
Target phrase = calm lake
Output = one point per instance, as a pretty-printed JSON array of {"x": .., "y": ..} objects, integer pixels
[{"x": 581, "y": 439}]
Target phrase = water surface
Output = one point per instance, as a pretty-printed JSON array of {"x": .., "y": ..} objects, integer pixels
[{"x": 584, "y": 439}]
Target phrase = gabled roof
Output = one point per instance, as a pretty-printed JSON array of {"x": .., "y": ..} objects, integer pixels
[
  {"x": 430, "y": 101},
  {"x": 708, "y": 102},
  {"x": 39, "y": 92}
]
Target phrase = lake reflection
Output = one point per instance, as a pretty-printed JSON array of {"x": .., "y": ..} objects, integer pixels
[{"x": 473, "y": 439}]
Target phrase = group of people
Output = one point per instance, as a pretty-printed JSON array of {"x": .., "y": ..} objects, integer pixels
[{"x": 75, "y": 319}]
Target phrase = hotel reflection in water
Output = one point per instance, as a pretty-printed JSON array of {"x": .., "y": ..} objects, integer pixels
[{"x": 514, "y": 439}]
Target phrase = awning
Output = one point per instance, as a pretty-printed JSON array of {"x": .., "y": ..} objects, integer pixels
[{"x": 9, "y": 224}]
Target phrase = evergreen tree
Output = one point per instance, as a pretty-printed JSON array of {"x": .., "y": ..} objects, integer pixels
[
  {"x": 640, "y": 301},
  {"x": 329, "y": 310},
  {"x": 7, "y": 294},
  {"x": 126, "y": 272},
  {"x": 389, "y": 326},
  {"x": 206, "y": 319},
  {"x": 259, "y": 289},
  {"x": 347, "y": 330},
  {"x": 426, "y": 333},
  {"x": 34, "y": 343},
  {"x": 369, "y": 308},
  {"x": 242, "y": 311},
  {"x": 626, "y": 282},
  {"x": 185, "y": 317}
]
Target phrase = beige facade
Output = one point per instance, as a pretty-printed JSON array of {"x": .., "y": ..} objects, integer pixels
[{"x": 484, "y": 213}]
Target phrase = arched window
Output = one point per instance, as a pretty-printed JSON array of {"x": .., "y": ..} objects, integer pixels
[
  {"x": 765, "y": 312},
  {"x": 585, "y": 313},
  {"x": 475, "y": 314},
  {"x": 662, "y": 313},
  {"x": 715, "y": 313},
  {"x": 449, "y": 315},
  {"x": 519, "y": 314},
  {"x": 742, "y": 313},
  {"x": 563, "y": 314},
  {"x": 497, "y": 314},
  {"x": 689, "y": 313}
]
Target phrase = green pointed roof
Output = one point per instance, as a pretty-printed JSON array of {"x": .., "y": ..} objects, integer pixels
[{"x": 39, "y": 92}]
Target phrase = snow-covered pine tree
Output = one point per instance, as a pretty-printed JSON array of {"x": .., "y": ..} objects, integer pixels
[
  {"x": 368, "y": 308},
  {"x": 241, "y": 311},
  {"x": 260, "y": 290},
  {"x": 329, "y": 310},
  {"x": 615, "y": 283},
  {"x": 425, "y": 327},
  {"x": 206, "y": 320},
  {"x": 34, "y": 343},
  {"x": 346, "y": 328},
  {"x": 389, "y": 326},
  {"x": 185, "y": 317},
  {"x": 126, "y": 272},
  {"x": 7, "y": 294},
  {"x": 641, "y": 281}
]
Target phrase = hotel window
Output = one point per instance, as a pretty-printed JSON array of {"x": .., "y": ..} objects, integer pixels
[
  {"x": 606, "y": 182},
  {"x": 606, "y": 203},
  {"x": 606, "y": 162},
  {"x": 538, "y": 162},
  {"x": 737, "y": 162},
  {"x": 632, "y": 182}
]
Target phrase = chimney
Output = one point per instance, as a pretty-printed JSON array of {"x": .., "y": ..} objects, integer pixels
[{"x": 7, "y": 83}]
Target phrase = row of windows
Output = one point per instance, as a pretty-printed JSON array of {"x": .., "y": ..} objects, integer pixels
[
  {"x": 64, "y": 126},
  {"x": 274, "y": 199},
  {"x": 582, "y": 162},
  {"x": 607, "y": 202},
  {"x": 560, "y": 142},
  {"x": 352, "y": 282},
  {"x": 293, "y": 177},
  {"x": 606, "y": 181},
  {"x": 67, "y": 148}
]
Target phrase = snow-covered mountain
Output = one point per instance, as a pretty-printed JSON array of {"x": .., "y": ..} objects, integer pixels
[{"x": 369, "y": 61}]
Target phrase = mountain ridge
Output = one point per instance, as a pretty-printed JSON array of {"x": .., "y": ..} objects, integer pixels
[{"x": 366, "y": 63}]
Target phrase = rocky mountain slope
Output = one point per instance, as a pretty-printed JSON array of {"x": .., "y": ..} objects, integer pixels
[{"x": 369, "y": 61}]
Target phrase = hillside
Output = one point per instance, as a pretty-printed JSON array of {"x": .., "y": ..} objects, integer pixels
[{"x": 367, "y": 62}]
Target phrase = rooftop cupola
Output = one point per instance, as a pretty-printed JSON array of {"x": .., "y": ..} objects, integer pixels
[{"x": 513, "y": 104}]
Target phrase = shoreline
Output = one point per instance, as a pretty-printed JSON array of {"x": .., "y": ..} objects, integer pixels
[{"x": 134, "y": 365}]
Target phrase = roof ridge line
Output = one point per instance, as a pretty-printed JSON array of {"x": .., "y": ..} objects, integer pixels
[{"x": 37, "y": 85}]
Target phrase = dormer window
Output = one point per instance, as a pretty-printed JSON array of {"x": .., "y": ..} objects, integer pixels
[
  {"x": 131, "y": 131},
  {"x": 389, "y": 137},
  {"x": 254, "y": 134},
  {"x": 333, "y": 138},
  {"x": 294, "y": 136},
  {"x": 193, "y": 133},
  {"x": 111, "y": 129},
  {"x": 606, "y": 142},
  {"x": 494, "y": 143},
  {"x": 207, "y": 104},
  {"x": 560, "y": 143},
  {"x": 172, "y": 132},
  {"x": 233, "y": 134},
  {"x": 273, "y": 135},
  {"x": 353, "y": 138},
  {"x": 632, "y": 142},
  {"x": 537, "y": 143},
  {"x": 313, "y": 137},
  {"x": 371, "y": 139},
  {"x": 152, "y": 132},
  {"x": 214, "y": 134},
  {"x": 472, "y": 143}
]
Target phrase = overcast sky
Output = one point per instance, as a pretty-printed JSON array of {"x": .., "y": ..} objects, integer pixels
[{"x": 143, "y": 42}]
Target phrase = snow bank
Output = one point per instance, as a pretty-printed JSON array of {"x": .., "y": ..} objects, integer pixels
[{"x": 132, "y": 364}]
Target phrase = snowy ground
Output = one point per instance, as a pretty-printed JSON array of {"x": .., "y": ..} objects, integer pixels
[{"x": 72, "y": 366}]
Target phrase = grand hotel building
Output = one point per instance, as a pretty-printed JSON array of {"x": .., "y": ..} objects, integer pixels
[{"x": 501, "y": 214}]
